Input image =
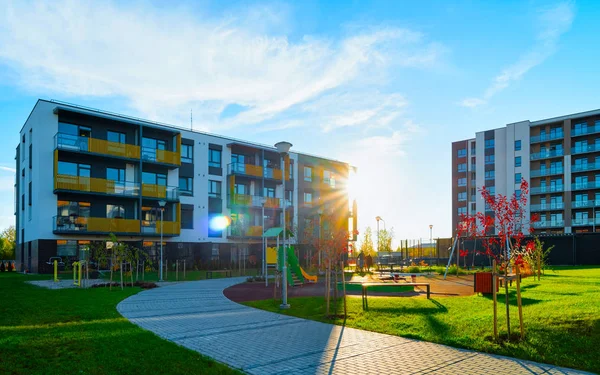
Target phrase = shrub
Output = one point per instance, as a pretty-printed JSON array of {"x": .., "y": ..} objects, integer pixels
[{"x": 414, "y": 269}]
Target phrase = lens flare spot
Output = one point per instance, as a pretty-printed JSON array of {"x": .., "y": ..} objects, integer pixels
[{"x": 218, "y": 223}]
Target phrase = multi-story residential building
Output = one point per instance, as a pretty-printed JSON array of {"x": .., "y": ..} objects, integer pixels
[
  {"x": 559, "y": 157},
  {"x": 84, "y": 173}
]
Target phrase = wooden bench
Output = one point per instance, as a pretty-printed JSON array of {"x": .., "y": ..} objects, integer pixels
[
  {"x": 209, "y": 274},
  {"x": 365, "y": 287}
]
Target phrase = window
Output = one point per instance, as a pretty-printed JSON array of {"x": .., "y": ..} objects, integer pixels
[
  {"x": 490, "y": 175},
  {"x": 187, "y": 153},
  {"x": 238, "y": 159},
  {"x": 518, "y": 193},
  {"x": 269, "y": 192},
  {"x": 186, "y": 185},
  {"x": 214, "y": 158},
  {"x": 517, "y": 178},
  {"x": 580, "y": 128},
  {"x": 462, "y": 181},
  {"x": 30, "y": 155},
  {"x": 115, "y": 211},
  {"x": 462, "y": 196},
  {"x": 154, "y": 178},
  {"x": 462, "y": 210},
  {"x": 518, "y": 145},
  {"x": 462, "y": 167},
  {"x": 66, "y": 208},
  {"x": 115, "y": 137},
  {"x": 489, "y": 143},
  {"x": 329, "y": 178},
  {"x": 462, "y": 152},
  {"x": 214, "y": 189},
  {"x": 517, "y": 161},
  {"x": 473, "y": 148},
  {"x": 492, "y": 190},
  {"x": 240, "y": 189},
  {"x": 307, "y": 199},
  {"x": 490, "y": 159},
  {"x": 115, "y": 174},
  {"x": 307, "y": 174},
  {"x": 74, "y": 169},
  {"x": 149, "y": 147},
  {"x": 187, "y": 218}
]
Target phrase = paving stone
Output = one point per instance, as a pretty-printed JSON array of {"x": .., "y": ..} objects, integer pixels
[{"x": 198, "y": 316}]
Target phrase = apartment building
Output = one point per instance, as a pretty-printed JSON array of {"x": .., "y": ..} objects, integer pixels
[
  {"x": 84, "y": 173},
  {"x": 559, "y": 157}
]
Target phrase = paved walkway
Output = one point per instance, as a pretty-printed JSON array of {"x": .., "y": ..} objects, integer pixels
[{"x": 197, "y": 315}]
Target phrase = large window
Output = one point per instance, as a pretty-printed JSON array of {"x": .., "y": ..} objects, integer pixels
[
  {"x": 517, "y": 161},
  {"x": 462, "y": 211},
  {"x": 187, "y": 219},
  {"x": 462, "y": 196},
  {"x": 74, "y": 169},
  {"x": 66, "y": 208},
  {"x": 154, "y": 178},
  {"x": 149, "y": 147},
  {"x": 490, "y": 175},
  {"x": 186, "y": 185},
  {"x": 308, "y": 199},
  {"x": 269, "y": 192},
  {"x": 115, "y": 137},
  {"x": 307, "y": 174},
  {"x": 214, "y": 158},
  {"x": 329, "y": 178},
  {"x": 214, "y": 189},
  {"x": 489, "y": 143},
  {"x": 115, "y": 174},
  {"x": 240, "y": 189},
  {"x": 115, "y": 211},
  {"x": 462, "y": 181},
  {"x": 518, "y": 145},
  {"x": 462, "y": 167},
  {"x": 490, "y": 159},
  {"x": 187, "y": 153},
  {"x": 238, "y": 159},
  {"x": 462, "y": 153},
  {"x": 517, "y": 178}
]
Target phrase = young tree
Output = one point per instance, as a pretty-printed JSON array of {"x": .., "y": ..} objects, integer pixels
[
  {"x": 385, "y": 240},
  {"x": 7, "y": 243},
  {"x": 366, "y": 245}
]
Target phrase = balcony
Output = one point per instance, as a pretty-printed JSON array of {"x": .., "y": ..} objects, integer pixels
[
  {"x": 585, "y": 204},
  {"x": 547, "y": 189},
  {"x": 585, "y": 131},
  {"x": 251, "y": 170},
  {"x": 97, "y": 225},
  {"x": 75, "y": 143},
  {"x": 585, "y": 185},
  {"x": 547, "y": 137},
  {"x": 585, "y": 167},
  {"x": 547, "y": 154},
  {"x": 549, "y": 224},
  {"x": 255, "y": 201},
  {"x": 582, "y": 222},
  {"x": 584, "y": 149},
  {"x": 547, "y": 172},
  {"x": 169, "y": 228},
  {"x": 161, "y": 156},
  {"x": 168, "y": 193},
  {"x": 95, "y": 185},
  {"x": 547, "y": 207},
  {"x": 236, "y": 232}
]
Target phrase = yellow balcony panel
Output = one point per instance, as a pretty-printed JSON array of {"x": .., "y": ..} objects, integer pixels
[
  {"x": 168, "y": 157},
  {"x": 124, "y": 150},
  {"x": 105, "y": 225},
  {"x": 95, "y": 185},
  {"x": 254, "y": 170},
  {"x": 254, "y": 231},
  {"x": 154, "y": 191},
  {"x": 169, "y": 227},
  {"x": 272, "y": 202}
]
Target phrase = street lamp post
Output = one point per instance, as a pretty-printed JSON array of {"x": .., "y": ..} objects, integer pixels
[
  {"x": 431, "y": 235},
  {"x": 378, "y": 218},
  {"x": 284, "y": 148},
  {"x": 320, "y": 212},
  {"x": 162, "y": 210}
]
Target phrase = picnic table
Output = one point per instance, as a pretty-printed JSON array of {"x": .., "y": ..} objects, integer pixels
[
  {"x": 209, "y": 274},
  {"x": 365, "y": 287}
]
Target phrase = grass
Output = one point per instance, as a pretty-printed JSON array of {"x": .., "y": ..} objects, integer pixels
[
  {"x": 561, "y": 316},
  {"x": 77, "y": 331}
]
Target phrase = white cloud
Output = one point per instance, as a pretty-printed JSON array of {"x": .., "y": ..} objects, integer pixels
[
  {"x": 552, "y": 22},
  {"x": 164, "y": 61},
  {"x": 8, "y": 169}
]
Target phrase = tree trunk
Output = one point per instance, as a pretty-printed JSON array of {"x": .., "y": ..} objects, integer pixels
[
  {"x": 121, "y": 269},
  {"x": 506, "y": 300},
  {"x": 131, "y": 270},
  {"x": 495, "y": 297},
  {"x": 111, "y": 274},
  {"x": 137, "y": 270},
  {"x": 344, "y": 289},
  {"x": 335, "y": 292},
  {"x": 519, "y": 302},
  {"x": 327, "y": 288},
  {"x": 539, "y": 265}
]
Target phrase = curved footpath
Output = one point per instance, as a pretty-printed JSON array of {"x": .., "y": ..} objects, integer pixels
[{"x": 198, "y": 316}]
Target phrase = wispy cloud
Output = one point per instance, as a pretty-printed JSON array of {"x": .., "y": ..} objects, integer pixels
[
  {"x": 552, "y": 22},
  {"x": 164, "y": 61},
  {"x": 8, "y": 169}
]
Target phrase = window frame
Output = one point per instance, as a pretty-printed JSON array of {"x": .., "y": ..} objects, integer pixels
[
  {"x": 188, "y": 155},
  {"x": 213, "y": 163}
]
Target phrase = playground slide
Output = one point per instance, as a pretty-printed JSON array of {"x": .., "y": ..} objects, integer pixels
[
  {"x": 309, "y": 278},
  {"x": 294, "y": 267}
]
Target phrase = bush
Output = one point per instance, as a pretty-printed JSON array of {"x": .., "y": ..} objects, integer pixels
[
  {"x": 414, "y": 269},
  {"x": 141, "y": 284}
]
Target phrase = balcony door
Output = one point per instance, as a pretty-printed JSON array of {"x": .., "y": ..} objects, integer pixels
[
  {"x": 74, "y": 136},
  {"x": 117, "y": 176}
]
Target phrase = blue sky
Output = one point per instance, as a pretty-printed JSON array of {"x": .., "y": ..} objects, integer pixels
[{"x": 385, "y": 85}]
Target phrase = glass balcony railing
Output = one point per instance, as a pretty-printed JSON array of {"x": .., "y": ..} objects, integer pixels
[
  {"x": 96, "y": 185},
  {"x": 585, "y": 131},
  {"x": 76, "y": 143},
  {"x": 547, "y": 206},
  {"x": 547, "y": 137},
  {"x": 256, "y": 201},
  {"x": 585, "y": 167},
  {"x": 582, "y": 149},
  {"x": 547, "y": 189},
  {"x": 547, "y": 171},
  {"x": 585, "y": 204},
  {"x": 168, "y": 193},
  {"x": 240, "y": 231},
  {"x": 584, "y": 221},
  {"x": 252, "y": 170},
  {"x": 547, "y": 154},
  {"x": 79, "y": 224},
  {"x": 585, "y": 185},
  {"x": 150, "y": 154},
  {"x": 549, "y": 224}
]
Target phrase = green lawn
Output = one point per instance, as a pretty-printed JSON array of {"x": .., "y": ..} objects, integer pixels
[
  {"x": 561, "y": 316},
  {"x": 77, "y": 331}
]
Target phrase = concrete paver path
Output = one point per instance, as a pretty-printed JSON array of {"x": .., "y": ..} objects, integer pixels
[{"x": 198, "y": 316}]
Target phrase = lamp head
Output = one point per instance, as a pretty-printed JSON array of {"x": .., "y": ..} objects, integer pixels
[
  {"x": 378, "y": 218},
  {"x": 430, "y": 226},
  {"x": 162, "y": 203},
  {"x": 283, "y": 147}
]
